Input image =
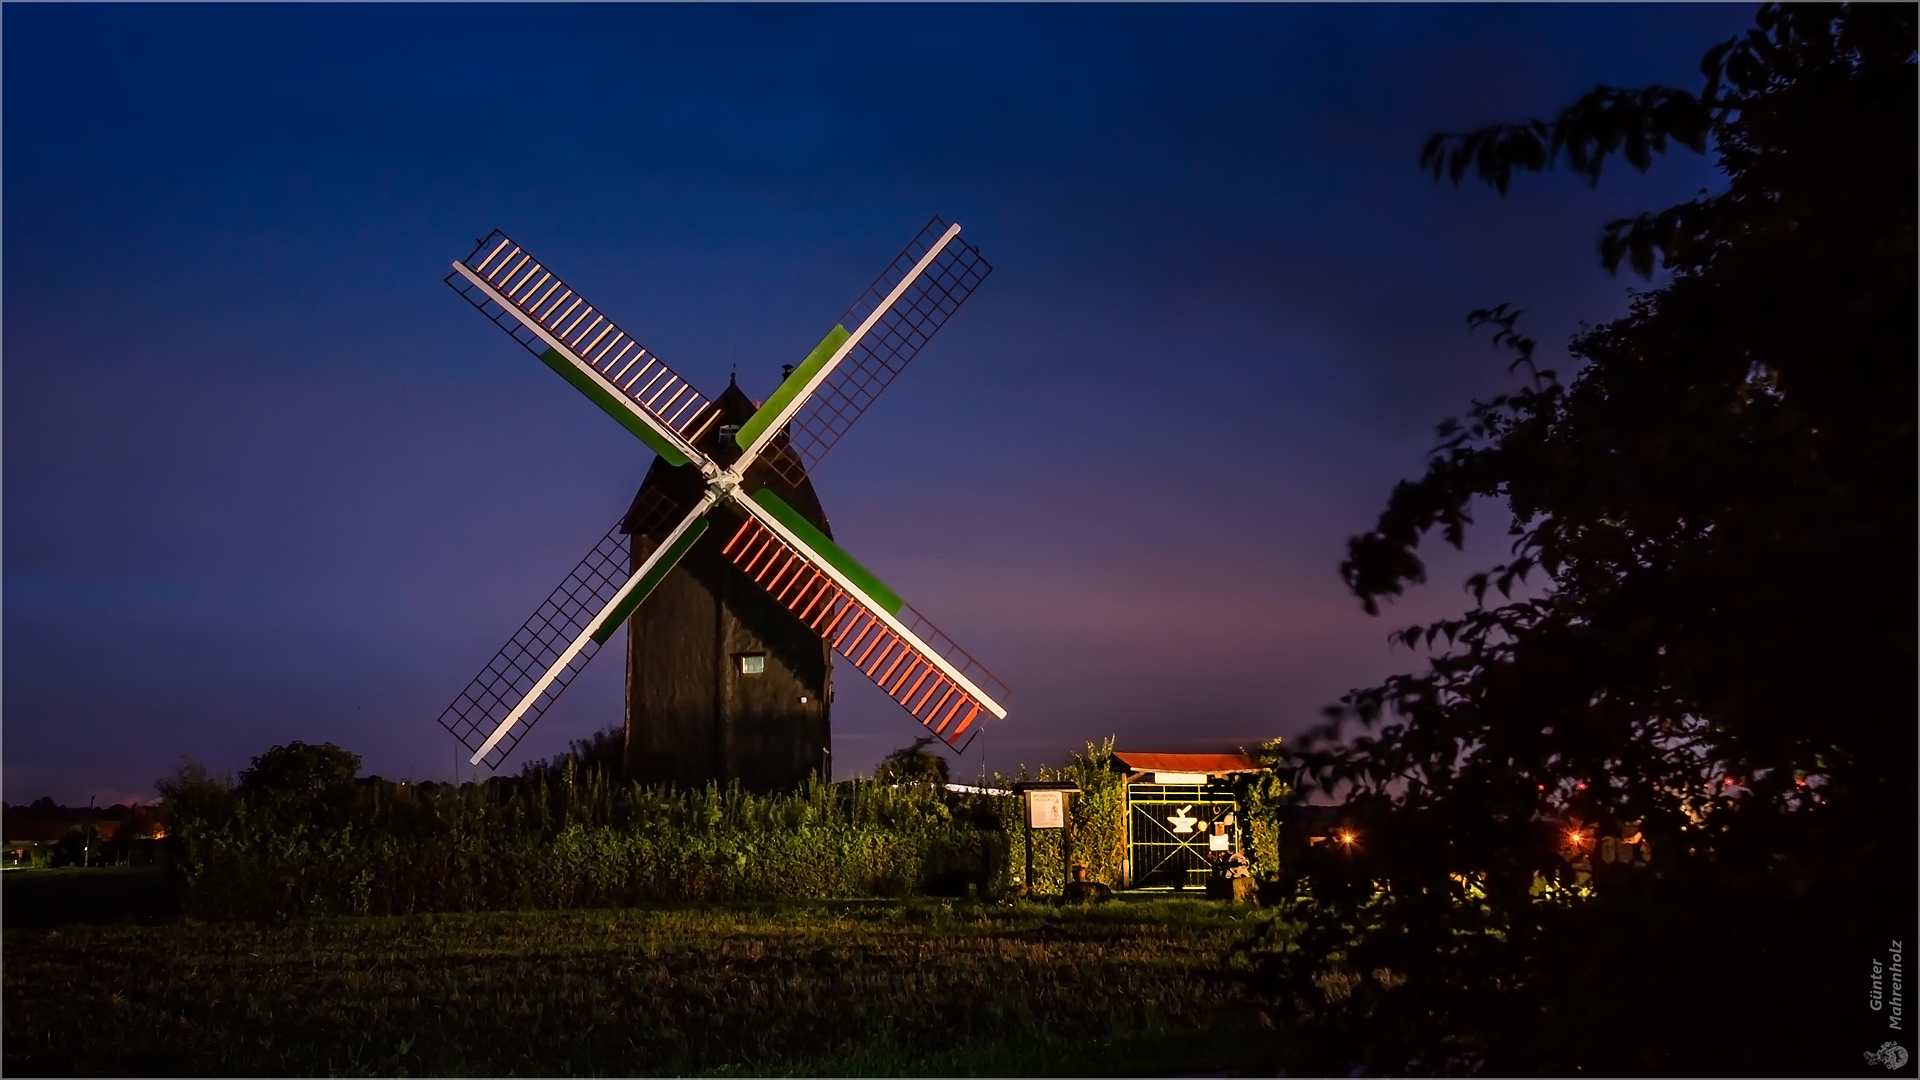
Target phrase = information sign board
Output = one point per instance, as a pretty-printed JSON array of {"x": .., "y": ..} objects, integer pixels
[{"x": 1046, "y": 809}]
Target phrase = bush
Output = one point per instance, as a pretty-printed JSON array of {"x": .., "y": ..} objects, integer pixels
[
  {"x": 578, "y": 839},
  {"x": 1099, "y": 817}
]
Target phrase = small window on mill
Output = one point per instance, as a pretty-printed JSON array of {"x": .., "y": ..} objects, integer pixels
[{"x": 753, "y": 663}]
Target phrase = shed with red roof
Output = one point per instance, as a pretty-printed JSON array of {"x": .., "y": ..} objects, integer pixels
[{"x": 1183, "y": 814}]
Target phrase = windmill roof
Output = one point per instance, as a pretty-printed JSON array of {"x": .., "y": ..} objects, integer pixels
[
  {"x": 682, "y": 485},
  {"x": 734, "y": 403},
  {"x": 1193, "y": 763}
]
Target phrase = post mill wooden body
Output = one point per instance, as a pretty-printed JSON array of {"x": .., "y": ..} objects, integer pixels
[
  {"x": 723, "y": 681},
  {"x": 777, "y": 590}
]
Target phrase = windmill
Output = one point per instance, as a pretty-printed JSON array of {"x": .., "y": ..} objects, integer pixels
[{"x": 718, "y": 473}]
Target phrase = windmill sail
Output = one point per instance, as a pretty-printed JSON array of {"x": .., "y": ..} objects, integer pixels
[
  {"x": 867, "y": 623},
  {"x": 539, "y": 661},
  {"x": 577, "y": 340},
  {"x": 902, "y": 329}
]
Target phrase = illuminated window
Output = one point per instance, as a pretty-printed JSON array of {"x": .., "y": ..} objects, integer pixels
[{"x": 753, "y": 663}]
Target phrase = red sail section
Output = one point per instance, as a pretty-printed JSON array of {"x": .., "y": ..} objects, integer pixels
[{"x": 895, "y": 666}]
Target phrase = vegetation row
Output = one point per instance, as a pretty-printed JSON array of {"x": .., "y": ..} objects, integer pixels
[{"x": 300, "y": 835}]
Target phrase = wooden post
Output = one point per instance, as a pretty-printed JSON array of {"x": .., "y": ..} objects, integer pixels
[
  {"x": 1066, "y": 839},
  {"x": 1026, "y": 822}
]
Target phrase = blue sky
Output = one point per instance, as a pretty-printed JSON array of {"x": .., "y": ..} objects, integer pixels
[{"x": 267, "y": 478}]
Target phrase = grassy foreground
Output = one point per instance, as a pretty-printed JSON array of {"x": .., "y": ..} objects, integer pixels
[{"x": 840, "y": 988}]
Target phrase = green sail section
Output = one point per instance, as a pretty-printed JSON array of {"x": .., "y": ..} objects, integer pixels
[
  {"x": 647, "y": 584},
  {"x": 612, "y": 406},
  {"x": 793, "y": 384},
  {"x": 830, "y": 551}
]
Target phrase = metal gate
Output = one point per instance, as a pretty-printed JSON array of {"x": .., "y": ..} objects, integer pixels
[{"x": 1168, "y": 831}]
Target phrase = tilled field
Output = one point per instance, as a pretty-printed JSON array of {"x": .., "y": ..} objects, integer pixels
[{"x": 881, "y": 988}]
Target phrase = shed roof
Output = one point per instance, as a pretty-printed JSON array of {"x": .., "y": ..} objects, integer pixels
[{"x": 1192, "y": 763}]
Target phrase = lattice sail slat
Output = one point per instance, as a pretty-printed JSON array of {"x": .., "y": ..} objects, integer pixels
[
  {"x": 537, "y": 295},
  {"x": 886, "y": 349},
  {"x": 534, "y": 648},
  {"x": 894, "y": 664}
]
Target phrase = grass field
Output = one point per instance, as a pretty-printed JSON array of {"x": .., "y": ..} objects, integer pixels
[
  {"x": 840, "y": 988},
  {"x": 43, "y": 897}
]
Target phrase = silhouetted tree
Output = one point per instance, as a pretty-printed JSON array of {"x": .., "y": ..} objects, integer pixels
[
  {"x": 1718, "y": 511},
  {"x": 192, "y": 790},
  {"x": 299, "y": 767},
  {"x": 912, "y": 765},
  {"x": 301, "y": 781},
  {"x": 603, "y": 751}
]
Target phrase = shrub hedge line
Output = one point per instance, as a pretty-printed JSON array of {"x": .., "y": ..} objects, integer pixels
[
  {"x": 579, "y": 839},
  {"x": 572, "y": 836}
]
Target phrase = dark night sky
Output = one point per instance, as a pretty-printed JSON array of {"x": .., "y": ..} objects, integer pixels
[{"x": 267, "y": 478}]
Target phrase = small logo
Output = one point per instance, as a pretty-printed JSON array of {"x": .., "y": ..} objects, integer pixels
[
  {"x": 1183, "y": 821},
  {"x": 1890, "y": 1054}
]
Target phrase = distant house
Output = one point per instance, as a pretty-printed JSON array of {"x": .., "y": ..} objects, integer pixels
[
  {"x": 101, "y": 833},
  {"x": 27, "y": 838},
  {"x": 1306, "y": 826}
]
